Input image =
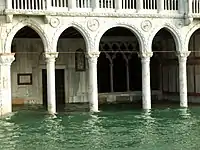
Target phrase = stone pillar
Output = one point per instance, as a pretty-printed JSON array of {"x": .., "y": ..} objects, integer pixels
[
  {"x": 111, "y": 77},
  {"x": 51, "y": 93},
  {"x": 93, "y": 88},
  {"x": 182, "y": 57},
  {"x": 146, "y": 87},
  {"x": 5, "y": 83}
]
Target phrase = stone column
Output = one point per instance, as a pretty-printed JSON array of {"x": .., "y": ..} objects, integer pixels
[
  {"x": 146, "y": 87},
  {"x": 5, "y": 83},
  {"x": 182, "y": 57},
  {"x": 51, "y": 93},
  {"x": 93, "y": 87}
]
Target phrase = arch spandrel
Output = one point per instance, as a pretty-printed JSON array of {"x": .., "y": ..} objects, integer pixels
[
  {"x": 140, "y": 37},
  {"x": 79, "y": 28},
  {"x": 29, "y": 23},
  {"x": 189, "y": 34},
  {"x": 175, "y": 34}
]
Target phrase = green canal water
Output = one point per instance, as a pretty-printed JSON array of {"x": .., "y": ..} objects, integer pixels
[{"x": 111, "y": 129}]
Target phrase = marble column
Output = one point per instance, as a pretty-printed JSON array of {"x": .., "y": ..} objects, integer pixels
[
  {"x": 93, "y": 87},
  {"x": 5, "y": 83},
  {"x": 51, "y": 93},
  {"x": 146, "y": 87},
  {"x": 182, "y": 57}
]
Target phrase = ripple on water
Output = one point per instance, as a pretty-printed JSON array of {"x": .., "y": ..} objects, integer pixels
[{"x": 166, "y": 129}]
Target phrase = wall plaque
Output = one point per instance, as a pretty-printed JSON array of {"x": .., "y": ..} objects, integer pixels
[
  {"x": 24, "y": 79},
  {"x": 80, "y": 60}
]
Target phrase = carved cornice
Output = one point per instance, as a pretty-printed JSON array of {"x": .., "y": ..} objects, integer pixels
[{"x": 95, "y": 14}]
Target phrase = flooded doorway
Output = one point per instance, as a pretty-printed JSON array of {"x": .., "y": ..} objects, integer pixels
[{"x": 60, "y": 88}]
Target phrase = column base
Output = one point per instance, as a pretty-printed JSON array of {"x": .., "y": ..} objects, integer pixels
[
  {"x": 146, "y": 105},
  {"x": 51, "y": 110},
  {"x": 183, "y": 105},
  {"x": 5, "y": 107},
  {"x": 5, "y": 111},
  {"x": 94, "y": 108},
  {"x": 183, "y": 101}
]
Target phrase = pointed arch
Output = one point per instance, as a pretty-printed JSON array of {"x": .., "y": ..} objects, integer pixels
[
  {"x": 172, "y": 31},
  {"x": 29, "y": 23},
  {"x": 78, "y": 28},
  {"x": 132, "y": 29}
]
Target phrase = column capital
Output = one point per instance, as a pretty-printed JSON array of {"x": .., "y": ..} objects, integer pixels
[
  {"x": 145, "y": 56},
  {"x": 50, "y": 56},
  {"x": 6, "y": 59},
  {"x": 92, "y": 56},
  {"x": 182, "y": 56}
]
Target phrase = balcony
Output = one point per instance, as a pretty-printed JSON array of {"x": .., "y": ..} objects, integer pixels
[{"x": 123, "y": 8}]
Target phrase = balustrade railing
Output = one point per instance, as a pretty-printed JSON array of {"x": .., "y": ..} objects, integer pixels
[
  {"x": 171, "y": 4},
  {"x": 128, "y": 4},
  {"x": 28, "y": 4},
  {"x": 176, "y": 6},
  {"x": 59, "y": 3},
  {"x": 150, "y": 4},
  {"x": 195, "y": 6},
  {"x": 83, "y": 3}
]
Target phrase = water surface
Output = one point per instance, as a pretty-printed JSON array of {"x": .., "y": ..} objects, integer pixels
[{"x": 111, "y": 129}]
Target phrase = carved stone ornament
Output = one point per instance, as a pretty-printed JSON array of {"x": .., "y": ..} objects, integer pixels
[
  {"x": 179, "y": 24},
  {"x": 93, "y": 24},
  {"x": 54, "y": 22},
  {"x": 146, "y": 25}
]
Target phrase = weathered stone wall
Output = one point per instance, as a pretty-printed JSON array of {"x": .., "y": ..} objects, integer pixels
[{"x": 29, "y": 59}]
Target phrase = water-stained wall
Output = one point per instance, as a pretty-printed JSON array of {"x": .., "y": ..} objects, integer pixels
[{"x": 30, "y": 60}]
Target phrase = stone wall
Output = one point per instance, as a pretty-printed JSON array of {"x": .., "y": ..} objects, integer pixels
[{"x": 29, "y": 59}]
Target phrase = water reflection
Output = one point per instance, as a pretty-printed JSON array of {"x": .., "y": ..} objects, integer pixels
[
  {"x": 184, "y": 113},
  {"x": 94, "y": 131},
  {"x": 9, "y": 134}
]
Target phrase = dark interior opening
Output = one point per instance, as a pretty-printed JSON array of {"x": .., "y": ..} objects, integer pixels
[
  {"x": 119, "y": 55},
  {"x": 60, "y": 88},
  {"x": 163, "y": 48}
]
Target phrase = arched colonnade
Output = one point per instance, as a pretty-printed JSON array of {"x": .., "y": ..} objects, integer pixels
[{"x": 92, "y": 42}]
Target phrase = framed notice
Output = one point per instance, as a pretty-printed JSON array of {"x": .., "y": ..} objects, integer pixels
[
  {"x": 24, "y": 79},
  {"x": 80, "y": 60}
]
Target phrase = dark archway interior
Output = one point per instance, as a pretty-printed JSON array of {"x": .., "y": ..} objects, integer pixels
[
  {"x": 163, "y": 48},
  {"x": 27, "y": 32},
  {"x": 119, "y": 68}
]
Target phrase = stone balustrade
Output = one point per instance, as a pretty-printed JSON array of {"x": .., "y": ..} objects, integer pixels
[{"x": 169, "y": 7}]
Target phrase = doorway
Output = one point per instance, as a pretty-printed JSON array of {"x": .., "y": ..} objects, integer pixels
[{"x": 60, "y": 88}]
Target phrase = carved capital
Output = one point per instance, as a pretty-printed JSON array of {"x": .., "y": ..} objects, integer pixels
[
  {"x": 182, "y": 56},
  {"x": 50, "y": 56},
  {"x": 92, "y": 56},
  {"x": 6, "y": 59},
  {"x": 144, "y": 55}
]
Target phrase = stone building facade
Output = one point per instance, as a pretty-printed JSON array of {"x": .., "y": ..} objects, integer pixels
[{"x": 74, "y": 51}]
